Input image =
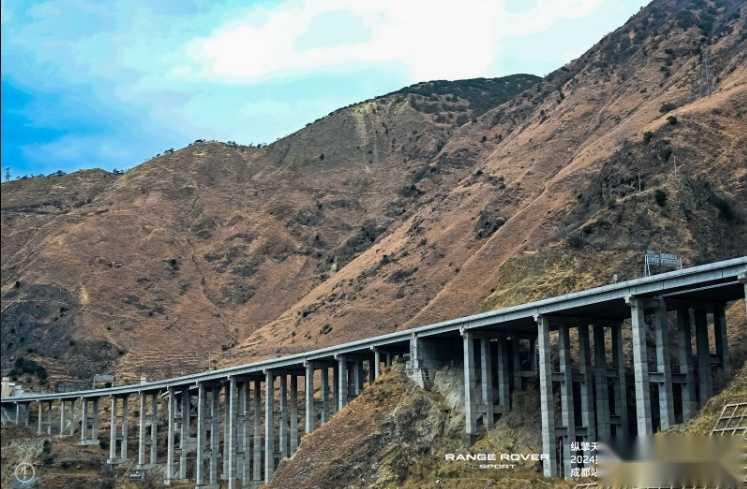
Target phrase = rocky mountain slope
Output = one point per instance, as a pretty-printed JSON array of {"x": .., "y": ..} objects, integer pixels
[{"x": 441, "y": 199}]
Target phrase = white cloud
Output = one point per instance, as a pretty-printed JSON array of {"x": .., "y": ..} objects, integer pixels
[
  {"x": 119, "y": 80},
  {"x": 428, "y": 39}
]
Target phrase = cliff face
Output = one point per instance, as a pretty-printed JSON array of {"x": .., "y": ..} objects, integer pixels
[{"x": 435, "y": 201}]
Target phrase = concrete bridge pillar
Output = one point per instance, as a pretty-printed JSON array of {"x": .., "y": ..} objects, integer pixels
[
  {"x": 62, "y": 418},
  {"x": 335, "y": 389},
  {"x": 49, "y": 418},
  {"x": 504, "y": 382},
  {"x": 516, "y": 362},
  {"x": 113, "y": 431},
  {"x": 357, "y": 377},
  {"x": 242, "y": 434},
  {"x": 154, "y": 428},
  {"x": 566, "y": 398},
  {"x": 125, "y": 427},
  {"x": 584, "y": 362},
  {"x": 704, "y": 355},
  {"x": 621, "y": 390},
  {"x": 325, "y": 394},
  {"x": 470, "y": 414},
  {"x": 283, "y": 429},
  {"x": 486, "y": 382},
  {"x": 371, "y": 370},
  {"x": 376, "y": 362},
  {"x": 547, "y": 412},
  {"x": 640, "y": 368},
  {"x": 342, "y": 374},
  {"x": 184, "y": 431},
  {"x": 257, "y": 426},
  {"x": 201, "y": 432},
  {"x": 722, "y": 344},
  {"x": 40, "y": 417},
  {"x": 141, "y": 431},
  {"x": 170, "y": 432},
  {"x": 214, "y": 439},
  {"x": 663, "y": 367},
  {"x": 293, "y": 411},
  {"x": 601, "y": 385},
  {"x": 684, "y": 355},
  {"x": 89, "y": 421},
  {"x": 269, "y": 425},
  {"x": 309, "y": 396},
  {"x": 230, "y": 441}
]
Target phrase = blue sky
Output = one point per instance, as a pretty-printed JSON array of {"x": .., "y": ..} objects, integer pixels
[{"x": 89, "y": 84}]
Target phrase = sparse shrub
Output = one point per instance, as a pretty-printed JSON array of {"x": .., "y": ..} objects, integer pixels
[
  {"x": 661, "y": 197},
  {"x": 28, "y": 366},
  {"x": 685, "y": 19},
  {"x": 667, "y": 107},
  {"x": 725, "y": 208},
  {"x": 648, "y": 136},
  {"x": 575, "y": 241},
  {"x": 672, "y": 120}
]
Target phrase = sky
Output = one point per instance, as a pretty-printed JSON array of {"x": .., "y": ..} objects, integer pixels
[{"x": 92, "y": 84}]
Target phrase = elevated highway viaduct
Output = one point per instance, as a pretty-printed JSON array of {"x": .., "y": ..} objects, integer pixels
[{"x": 624, "y": 361}]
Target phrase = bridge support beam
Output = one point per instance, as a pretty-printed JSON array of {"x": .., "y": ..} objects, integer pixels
[
  {"x": 269, "y": 426},
  {"x": 684, "y": 354},
  {"x": 184, "y": 416},
  {"x": 242, "y": 434},
  {"x": 310, "y": 417},
  {"x": 201, "y": 432},
  {"x": 376, "y": 363},
  {"x": 125, "y": 428},
  {"x": 342, "y": 374},
  {"x": 486, "y": 383},
  {"x": 722, "y": 344},
  {"x": 214, "y": 462},
  {"x": 113, "y": 431},
  {"x": 663, "y": 367},
  {"x": 587, "y": 404},
  {"x": 504, "y": 381},
  {"x": 621, "y": 389},
  {"x": 470, "y": 414},
  {"x": 566, "y": 398},
  {"x": 601, "y": 385},
  {"x": 293, "y": 411},
  {"x": 704, "y": 355},
  {"x": 63, "y": 417},
  {"x": 141, "y": 431},
  {"x": 230, "y": 441},
  {"x": 283, "y": 428},
  {"x": 357, "y": 377},
  {"x": 547, "y": 411},
  {"x": 154, "y": 428},
  {"x": 640, "y": 368},
  {"x": 325, "y": 394},
  {"x": 257, "y": 426},
  {"x": 171, "y": 414}
]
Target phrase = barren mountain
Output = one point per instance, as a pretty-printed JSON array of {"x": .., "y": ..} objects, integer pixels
[{"x": 438, "y": 200}]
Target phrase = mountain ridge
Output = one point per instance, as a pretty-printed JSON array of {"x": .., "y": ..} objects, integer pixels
[{"x": 422, "y": 202}]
